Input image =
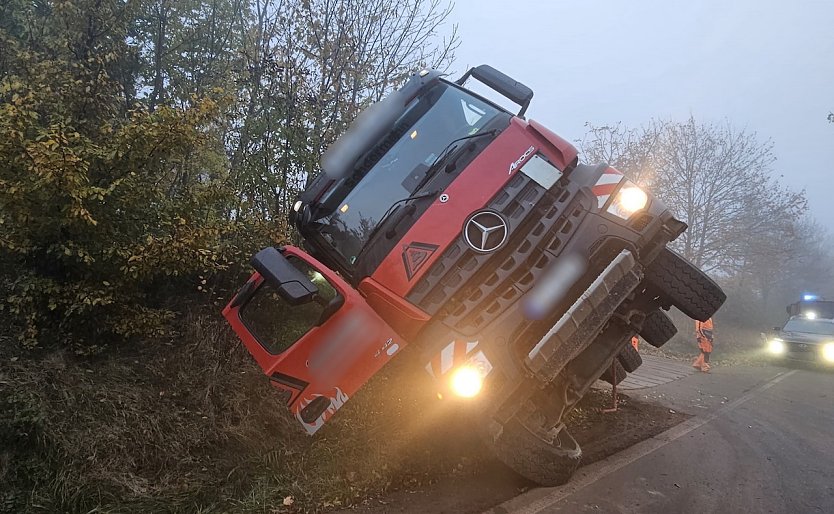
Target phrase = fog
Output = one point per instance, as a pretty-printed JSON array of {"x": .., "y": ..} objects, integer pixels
[{"x": 764, "y": 66}]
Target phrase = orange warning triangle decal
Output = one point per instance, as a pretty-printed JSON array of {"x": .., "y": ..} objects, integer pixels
[{"x": 415, "y": 255}]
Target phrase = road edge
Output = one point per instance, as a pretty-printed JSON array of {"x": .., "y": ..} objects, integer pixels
[{"x": 539, "y": 499}]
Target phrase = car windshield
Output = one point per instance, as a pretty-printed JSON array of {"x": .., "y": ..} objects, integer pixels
[
  {"x": 440, "y": 116},
  {"x": 809, "y": 326}
]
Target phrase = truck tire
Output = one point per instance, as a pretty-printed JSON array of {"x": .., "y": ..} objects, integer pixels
[
  {"x": 547, "y": 463},
  {"x": 614, "y": 374},
  {"x": 685, "y": 286},
  {"x": 629, "y": 358},
  {"x": 658, "y": 328}
]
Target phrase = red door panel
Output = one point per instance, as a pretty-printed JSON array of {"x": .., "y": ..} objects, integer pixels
[{"x": 331, "y": 361}]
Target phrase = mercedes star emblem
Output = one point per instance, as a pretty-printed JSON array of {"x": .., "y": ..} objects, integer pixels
[{"x": 485, "y": 231}]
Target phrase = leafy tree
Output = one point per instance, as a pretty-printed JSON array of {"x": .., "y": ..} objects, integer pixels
[
  {"x": 98, "y": 234},
  {"x": 151, "y": 147}
]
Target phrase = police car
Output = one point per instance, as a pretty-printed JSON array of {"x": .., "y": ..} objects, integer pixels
[{"x": 808, "y": 334}]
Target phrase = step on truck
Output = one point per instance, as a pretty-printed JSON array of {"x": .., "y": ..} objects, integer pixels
[{"x": 518, "y": 275}]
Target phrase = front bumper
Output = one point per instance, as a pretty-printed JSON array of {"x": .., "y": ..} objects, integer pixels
[
  {"x": 801, "y": 352},
  {"x": 478, "y": 301},
  {"x": 577, "y": 328}
]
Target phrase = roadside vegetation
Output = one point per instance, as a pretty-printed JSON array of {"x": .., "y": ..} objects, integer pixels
[{"x": 149, "y": 148}]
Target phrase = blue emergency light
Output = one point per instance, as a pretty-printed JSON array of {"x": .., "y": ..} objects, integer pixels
[{"x": 810, "y": 297}]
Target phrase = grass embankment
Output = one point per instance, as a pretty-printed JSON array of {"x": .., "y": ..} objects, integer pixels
[{"x": 193, "y": 425}]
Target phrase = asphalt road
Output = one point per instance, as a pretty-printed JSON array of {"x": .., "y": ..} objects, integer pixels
[{"x": 762, "y": 440}]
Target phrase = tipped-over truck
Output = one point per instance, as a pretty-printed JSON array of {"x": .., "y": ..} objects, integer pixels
[{"x": 518, "y": 275}]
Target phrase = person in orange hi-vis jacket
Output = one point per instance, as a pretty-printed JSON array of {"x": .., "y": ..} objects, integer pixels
[{"x": 704, "y": 335}]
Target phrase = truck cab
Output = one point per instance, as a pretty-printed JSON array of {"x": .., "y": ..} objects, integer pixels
[{"x": 442, "y": 220}]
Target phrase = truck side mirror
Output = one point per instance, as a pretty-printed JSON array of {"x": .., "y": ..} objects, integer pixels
[{"x": 292, "y": 285}]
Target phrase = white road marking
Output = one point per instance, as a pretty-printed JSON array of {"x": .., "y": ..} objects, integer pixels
[{"x": 598, "y": 470}]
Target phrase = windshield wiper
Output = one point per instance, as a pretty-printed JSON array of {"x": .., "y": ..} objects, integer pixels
[
  {"x": 449, "y": 150},
  {"x": 384, "y": 218},
  {"x": 430, "y": 172}
]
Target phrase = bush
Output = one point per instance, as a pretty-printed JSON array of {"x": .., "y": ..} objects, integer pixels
[{"x": 110, "y": 216}]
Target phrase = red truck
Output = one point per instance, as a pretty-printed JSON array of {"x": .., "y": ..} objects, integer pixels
[{"x": 443, "y": 221}]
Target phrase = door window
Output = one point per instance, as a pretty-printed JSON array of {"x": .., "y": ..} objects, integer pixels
[{"x": 276, "y": 324}]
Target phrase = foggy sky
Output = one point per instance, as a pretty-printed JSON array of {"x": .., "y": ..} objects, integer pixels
[{"x": 765, "y": 66}]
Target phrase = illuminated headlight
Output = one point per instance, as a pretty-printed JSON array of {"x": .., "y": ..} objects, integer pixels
[
  {"x": 467, "y": 381},
  {"x": 811, "y": 315},
  {"x": 297, "y": 206},
  {"x": 828, "y": 352},
  {"x": 776, "y": 346},
  {"x": 629, "y": 200}
]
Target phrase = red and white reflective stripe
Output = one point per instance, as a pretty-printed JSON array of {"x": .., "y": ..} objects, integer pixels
[
  {"x": 452, "y": 355},
  {"x": 606, "y": 184}
]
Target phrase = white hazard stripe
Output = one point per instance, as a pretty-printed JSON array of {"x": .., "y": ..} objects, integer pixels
[
  {"x": 606, "y": 184},
  {"x": 609, "y": 178},
  {"x": 429, "y": 369},
  {"x": 447, "y": 358},
  {"x": 452, "y": 355}
]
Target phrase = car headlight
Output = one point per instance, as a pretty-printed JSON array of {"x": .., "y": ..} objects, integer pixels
[
  {"x": 776, "y": 346},
  {"x": 629, "y": 199},
  {"x": 828, "y": 352}
]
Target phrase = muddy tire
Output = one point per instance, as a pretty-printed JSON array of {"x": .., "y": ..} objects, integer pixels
[
  {"x": 614, "y": 374},
  {"x": 685, "y": 286},
  {"x": 629, "y": 359},
  {"x": 657, "y": 329},
  {"x": 547, "y": 463}
]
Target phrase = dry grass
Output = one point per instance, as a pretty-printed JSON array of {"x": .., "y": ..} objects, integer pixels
[{"x": 194, "y": 426}]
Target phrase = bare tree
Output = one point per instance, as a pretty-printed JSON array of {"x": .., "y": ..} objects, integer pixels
[
  {"x": 630, "y": 150},
  {"x": 307, "y": 67},
  {"x": 720, "y": 182},
  {"x": 716, "y": 178}
]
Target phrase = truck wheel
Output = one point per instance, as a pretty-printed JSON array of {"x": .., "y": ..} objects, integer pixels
[
  {"x": 658, "y": 328},
  {"x": 685, "y": 286},
  {"x": 615, "y": 373},
  {"x": 629, "y": 359},
  {"x": 547, "y": 459}
]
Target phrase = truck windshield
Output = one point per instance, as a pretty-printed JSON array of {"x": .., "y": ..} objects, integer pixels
[
  {"x": 438, "y": 117},
  {"x": 807, "y": 326}
]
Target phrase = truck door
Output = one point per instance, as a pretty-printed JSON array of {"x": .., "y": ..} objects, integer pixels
[{"x": 313, "y": 335}]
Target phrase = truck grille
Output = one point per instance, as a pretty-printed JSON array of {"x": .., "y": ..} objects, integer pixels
[{"x": 467, "y": 289}]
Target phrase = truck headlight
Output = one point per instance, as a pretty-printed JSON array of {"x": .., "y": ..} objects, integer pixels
[
  {"x": 776, "y": 346},
  {"x": 828, "y": 352},
  {"x": 629, "y": 199},
  {"x": 466, "y": 381}
]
